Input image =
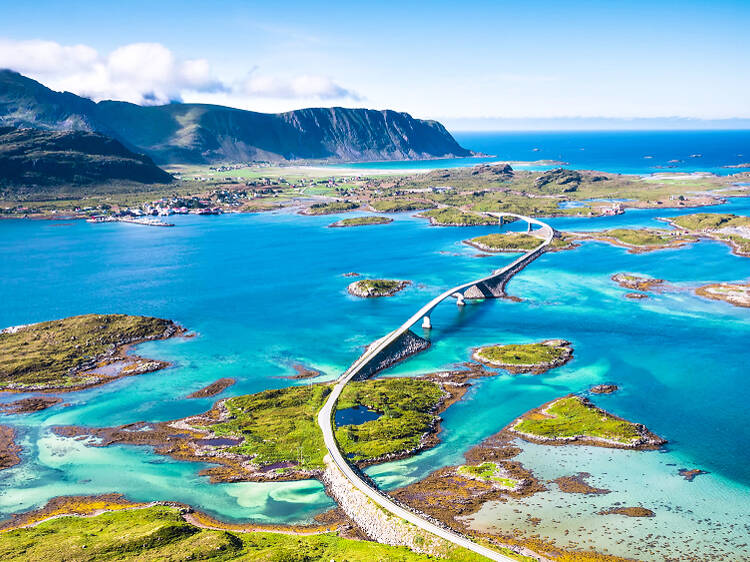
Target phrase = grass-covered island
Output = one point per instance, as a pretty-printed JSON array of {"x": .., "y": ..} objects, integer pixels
[
  {"x": 737, "y": 294},
  {"x": 77, "y": 352},
  {"x": 274, "y": 434},
  {"x": 534, "y": 358},
  {"x": 517, "y": 242},
  {"x": 361, "y": 221},
  {"x": 505, "y": 242},
  {"x": 639, "y": 240},
  {"x": 451, "y": 216},
  {"x": 725, "y": 227},
  {"x": 573, "y": 419},
  {"x": 166, "y": 532},
  {"x": 367, "y": 288},
  {"x": 330, "y": 208}
]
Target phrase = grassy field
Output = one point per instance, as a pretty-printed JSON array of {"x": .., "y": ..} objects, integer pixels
[
  {"x": 161, "y": 533},
  {"x": 407, "y": 406},
  {"x": 521, "y": 354},
  {"x": 278, "y": 425},
  {"x": 572, "y": 416},
  {"x": 45, "y": 353}
]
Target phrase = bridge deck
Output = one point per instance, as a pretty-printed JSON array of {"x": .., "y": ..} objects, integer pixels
[{"x": 325, "y": 416}]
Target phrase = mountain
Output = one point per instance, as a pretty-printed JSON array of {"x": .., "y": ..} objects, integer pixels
[
  {"x": 31, "y": 158},
  {"x": 199, "y": 133}
]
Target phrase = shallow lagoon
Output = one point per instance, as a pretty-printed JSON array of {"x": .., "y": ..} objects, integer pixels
[{"x": 266, "y": 291}]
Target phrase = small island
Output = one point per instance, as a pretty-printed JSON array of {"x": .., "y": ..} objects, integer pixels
[
  {"x": 725, "y": 227},
  {"x": 360, "y": 221},
  {"x": 78, "y": 352},
  {"x": 368, "y": 288},
  {"x": 212, "y": 389},
  {"x": 603, "y": 388},
  {"x": 628, "y": 511},
  {"x": 639, "y": 241},
  {"x": 575, "y": 420},
  {"x": 330, "y": 208},
  {"x": 505, "y": 242},
  {"x": 691, "y": 473},
  {"x": 536, "y": 358},
  {"x": 451, "y": 216},
  {"x": 577, "y": 484},
  {"x": 637, "y": 282},
  {"x": 518, "y": 242},
  {"x": 737, "y": 294}
]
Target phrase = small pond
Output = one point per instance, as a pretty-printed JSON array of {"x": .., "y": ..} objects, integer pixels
[{"x": 355, "y": 415}]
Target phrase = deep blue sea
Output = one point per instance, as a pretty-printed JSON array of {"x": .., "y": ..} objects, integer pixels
[
  {"x": 265, "y": 291},
  {"x": 626, "y": 152}
]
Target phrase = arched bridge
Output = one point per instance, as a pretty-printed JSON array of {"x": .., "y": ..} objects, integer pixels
[{"x": 369, "y": 362}]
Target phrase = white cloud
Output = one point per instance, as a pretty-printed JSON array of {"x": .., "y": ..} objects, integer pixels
[
  {"x": 300, "y": 87},
  {"x": 150, "y": 74}
]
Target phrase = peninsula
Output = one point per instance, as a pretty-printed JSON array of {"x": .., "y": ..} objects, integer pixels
[{"x": 78, "y": 352}]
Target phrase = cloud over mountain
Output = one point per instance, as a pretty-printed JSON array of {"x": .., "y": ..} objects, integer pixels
[{"x": 149, "y": 74}]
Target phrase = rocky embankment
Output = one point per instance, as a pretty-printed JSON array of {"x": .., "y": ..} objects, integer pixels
[{"x": 375, "y": 522}]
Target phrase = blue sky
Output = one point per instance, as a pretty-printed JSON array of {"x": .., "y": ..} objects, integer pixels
[{"x": 444, "y": 60}]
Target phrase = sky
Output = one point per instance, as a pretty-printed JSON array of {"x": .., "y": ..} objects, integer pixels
[{"x": 480, "y": 64}]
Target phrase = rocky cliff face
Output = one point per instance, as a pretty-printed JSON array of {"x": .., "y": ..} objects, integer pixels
[
  {"x": 30, "y": 157},
  {"x": 198, "y": 133}
]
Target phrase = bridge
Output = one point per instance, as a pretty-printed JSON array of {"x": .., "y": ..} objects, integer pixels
[{"x": 491, "y": 286}]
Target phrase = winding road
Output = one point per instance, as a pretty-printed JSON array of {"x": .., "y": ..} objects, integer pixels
[{"x": 326, "y": 418}]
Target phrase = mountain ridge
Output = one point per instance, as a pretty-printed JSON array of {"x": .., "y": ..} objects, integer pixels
[
  {"x": 205, "y": 133},
  {"x": 38, "y": 161}
]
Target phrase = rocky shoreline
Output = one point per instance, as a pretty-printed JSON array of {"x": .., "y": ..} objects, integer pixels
[
  {"x": 9, "y": 450},
  {"x": 29, "y": 405}
]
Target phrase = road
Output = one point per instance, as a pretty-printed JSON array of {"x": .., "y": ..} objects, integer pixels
[{"x": 326, "y": 419}]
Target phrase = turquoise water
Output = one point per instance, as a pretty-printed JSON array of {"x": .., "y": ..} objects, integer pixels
[
  {"x": 625, "y": 152},
  {"x": 265, "y": 291}
]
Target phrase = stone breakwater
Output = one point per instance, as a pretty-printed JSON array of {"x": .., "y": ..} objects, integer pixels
[
  {"x": 406, "y": 345},
  {"x": 374, "y": 521}
]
